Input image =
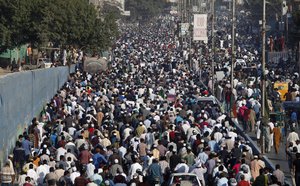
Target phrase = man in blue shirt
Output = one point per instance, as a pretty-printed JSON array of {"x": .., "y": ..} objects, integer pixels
[
  {"x": 26, "y": 144},
  {"x": 294, "y": 118},
  {"x": 155, "y": 173},
  {"x": 99, "y": 159}
]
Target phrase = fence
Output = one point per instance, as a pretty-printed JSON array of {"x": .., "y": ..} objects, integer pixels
[
  {"x": 275, "y": 57},
  {"x": 22, "y": 96}
]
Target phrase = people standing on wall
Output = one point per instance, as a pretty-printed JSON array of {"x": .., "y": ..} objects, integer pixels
[{"x": 29, "y": 54}]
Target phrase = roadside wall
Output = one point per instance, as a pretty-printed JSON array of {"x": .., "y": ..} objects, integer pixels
[{"x": 22, "y": 96}]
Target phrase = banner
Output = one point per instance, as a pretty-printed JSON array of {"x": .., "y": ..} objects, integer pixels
[
  {"x": 285, "y": 8},
  {"x": 195, "y": 8},
  {"x": 200, "y": 27}
]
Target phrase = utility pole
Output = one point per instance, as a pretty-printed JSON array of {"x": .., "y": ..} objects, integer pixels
[
  {"x": 287, "y": 28},
  {"x": 263, "y": 88},
  {"x": 299, "y": 57},
  {"x": 190, "y": 13},
  {"x": 184, "y": 21},
  {"x": 232, "y": 44},
  {"x": 213, "y": 47},
  {"x": 181, "y": 21}
]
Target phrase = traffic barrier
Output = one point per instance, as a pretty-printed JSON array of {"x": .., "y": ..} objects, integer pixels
[{"x": 275, "y": 57}]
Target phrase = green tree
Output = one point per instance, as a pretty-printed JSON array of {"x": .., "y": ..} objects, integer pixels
[
  {"x": 68, "y": 22},
  {"x": 296, "y": 17},
  {"x": 144, "y": 8}
]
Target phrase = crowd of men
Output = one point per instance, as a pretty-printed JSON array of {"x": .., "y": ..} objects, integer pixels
[{"x": 139, "y": 122}]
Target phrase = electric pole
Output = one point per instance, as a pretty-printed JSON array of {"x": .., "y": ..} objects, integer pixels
[
  {"x": 263, "y": 88},
  {"x": 232, "y": 44},
  {"x": 213, "y": 46}
]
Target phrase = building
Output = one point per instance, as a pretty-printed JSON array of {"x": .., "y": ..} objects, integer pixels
[{"x": 17, "y": 55}]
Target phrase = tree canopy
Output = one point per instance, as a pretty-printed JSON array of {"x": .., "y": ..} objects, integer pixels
[
  {"x": 144, "y": 8},
  {"x": 67, "y": 22}
]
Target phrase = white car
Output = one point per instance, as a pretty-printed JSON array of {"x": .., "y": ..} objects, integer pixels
[
  {"x": 185, "y": 179},
  {"x": 240, "y": 62},
  {"x": 45, "y": 61}
]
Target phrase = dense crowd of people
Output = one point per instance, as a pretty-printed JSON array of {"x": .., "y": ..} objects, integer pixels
[{"x": 142, "y": 120}]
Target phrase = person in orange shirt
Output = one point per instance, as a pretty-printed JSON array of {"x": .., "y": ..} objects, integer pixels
[
  {"x": 36, "y": 159},
  {"x": 277, "y": 137}
]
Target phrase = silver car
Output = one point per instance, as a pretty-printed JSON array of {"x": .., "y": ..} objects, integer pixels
[{"x": 184, "y": 179}]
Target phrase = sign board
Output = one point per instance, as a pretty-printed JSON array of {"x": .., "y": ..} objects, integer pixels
[
  {"x": 184, "y": 28},
  {"x": 284, "y": 7},
  {"x": 200, "y": 27},
  {"x": 195, "y": 8}
]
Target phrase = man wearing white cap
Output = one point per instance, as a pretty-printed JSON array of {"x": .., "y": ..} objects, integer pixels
[
  {"x": 216, "y": 169},
  {"x": 115, "y": 168},
  {"x": 96, "y": 177},
  {"x": 255, "y": 166},
  {"x": 90, "y": 167}
]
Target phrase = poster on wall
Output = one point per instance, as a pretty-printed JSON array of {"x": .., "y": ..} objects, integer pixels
[{"x": 200, "y": 27}]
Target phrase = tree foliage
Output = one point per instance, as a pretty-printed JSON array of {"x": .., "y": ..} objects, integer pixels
[
  {"x": 63, "y": 22},
  {"x": 296, "y": 17},
  {"x": 144, "y": 8}
]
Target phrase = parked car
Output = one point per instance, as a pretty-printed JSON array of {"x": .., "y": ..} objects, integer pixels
[
  {"x": 240, "y": 62},
  {"x": 46, "y": 61},
  {"x": 212, "y": 100},
  {"x": 39, "y": 63},
  {"x": 186, "y": 179}
]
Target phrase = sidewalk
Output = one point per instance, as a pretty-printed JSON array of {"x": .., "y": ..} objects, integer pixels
[{"x": 274, "y": 158}]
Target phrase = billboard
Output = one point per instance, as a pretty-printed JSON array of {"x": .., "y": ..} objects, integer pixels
[{"x": 200, "y": 27}]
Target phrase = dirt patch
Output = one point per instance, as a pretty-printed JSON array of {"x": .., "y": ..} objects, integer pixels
[{"x": 4, "y": 71}]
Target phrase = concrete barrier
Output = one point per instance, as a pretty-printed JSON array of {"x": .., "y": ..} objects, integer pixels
[{"x": 22, "y": 96}]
